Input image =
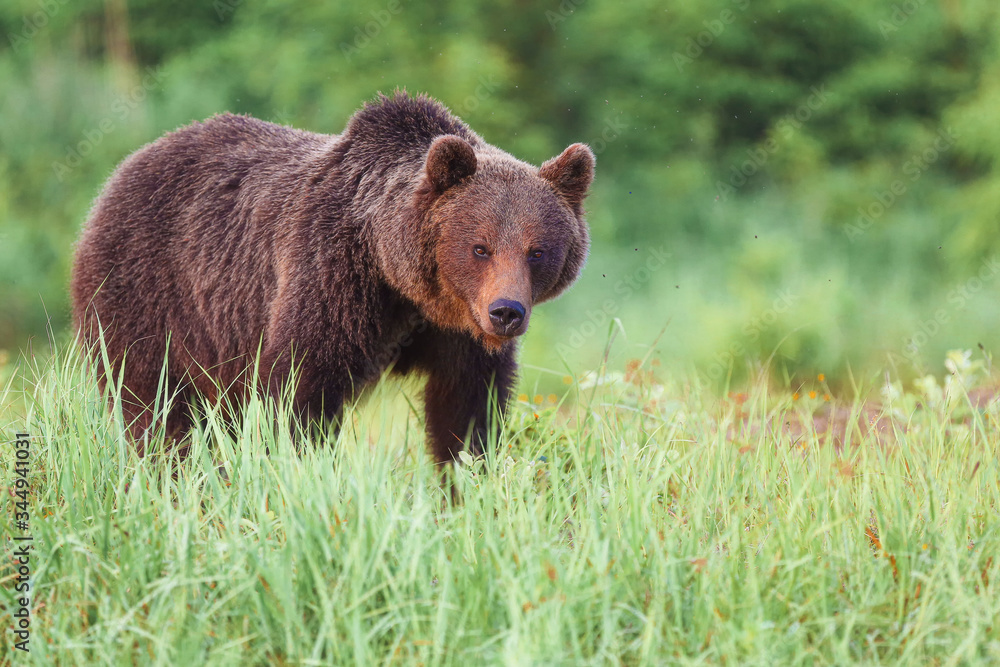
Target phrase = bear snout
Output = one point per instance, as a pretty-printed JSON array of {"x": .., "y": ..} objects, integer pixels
[{"x": 507, "y": 317}]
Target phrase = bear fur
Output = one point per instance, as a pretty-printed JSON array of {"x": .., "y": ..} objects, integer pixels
[{"x": 406, "y": 242}]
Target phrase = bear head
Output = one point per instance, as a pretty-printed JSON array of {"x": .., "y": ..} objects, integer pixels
[{"x": 500, "y": 235}]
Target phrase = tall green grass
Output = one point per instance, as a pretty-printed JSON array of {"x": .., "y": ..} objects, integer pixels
[{"x": 637, "y": 522}]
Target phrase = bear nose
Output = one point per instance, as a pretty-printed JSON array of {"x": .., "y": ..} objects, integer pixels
[{"x": 506, "y": 316}]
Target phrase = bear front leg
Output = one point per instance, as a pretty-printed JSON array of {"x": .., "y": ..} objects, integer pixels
[
  {"x": 316, "y": 406},
  {"x": 458, "y": 398},
  {"x": 307, "y": 400}
]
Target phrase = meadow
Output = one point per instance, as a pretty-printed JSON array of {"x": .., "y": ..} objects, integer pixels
[{"x": 638, "y": 520}]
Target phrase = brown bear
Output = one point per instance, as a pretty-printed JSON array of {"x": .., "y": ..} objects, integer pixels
[{"x": 407, "y": 242}]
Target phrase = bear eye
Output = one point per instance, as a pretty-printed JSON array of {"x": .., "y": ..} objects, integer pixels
[
  {"x": 481, "y": 251},
  {"x": 536, "y": 254}
]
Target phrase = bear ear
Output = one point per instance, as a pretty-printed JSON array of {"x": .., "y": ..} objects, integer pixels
[
  {"x": 571, "y": 174},
  {"x": 450, "y": 160}
]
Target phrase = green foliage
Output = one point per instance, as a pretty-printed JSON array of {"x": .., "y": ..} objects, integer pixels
[{"x": 759, "y": 142}]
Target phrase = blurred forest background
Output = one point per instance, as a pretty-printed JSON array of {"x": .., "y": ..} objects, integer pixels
[{"x": 817, "y": 181}]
